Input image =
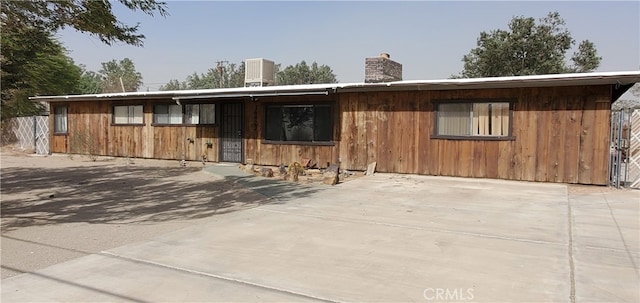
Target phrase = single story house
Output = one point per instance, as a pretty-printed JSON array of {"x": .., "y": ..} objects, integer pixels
[{"x": 550, "y": 128}]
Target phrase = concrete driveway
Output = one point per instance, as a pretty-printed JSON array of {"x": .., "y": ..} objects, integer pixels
[{"x": 385, "y": 238}]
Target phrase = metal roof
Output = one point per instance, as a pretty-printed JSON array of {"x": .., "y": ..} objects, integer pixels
[{"x": 623, "y": 79}]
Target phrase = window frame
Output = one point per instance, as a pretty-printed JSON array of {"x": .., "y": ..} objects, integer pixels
[
  {"x": 330, "y": 104},
  {"x": 215, "y": 114},
  {"x": 183, "y": 114},
  {"x": 66, "y": 120},
  {"x": 153, "y": 114},
  {"x": 113, "y": 115},
  {"x": 436, "y": 113}
]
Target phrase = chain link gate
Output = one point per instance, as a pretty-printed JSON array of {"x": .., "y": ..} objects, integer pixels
[{"x": 624, "y": 164}]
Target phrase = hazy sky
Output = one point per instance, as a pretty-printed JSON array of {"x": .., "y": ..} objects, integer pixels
[{"x": 429, "y": 38}]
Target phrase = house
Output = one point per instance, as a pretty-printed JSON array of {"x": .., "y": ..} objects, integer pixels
[{"x": 550, "y": 128}]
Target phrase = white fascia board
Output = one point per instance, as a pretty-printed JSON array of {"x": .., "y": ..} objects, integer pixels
[{"x": 597, "y": 78}]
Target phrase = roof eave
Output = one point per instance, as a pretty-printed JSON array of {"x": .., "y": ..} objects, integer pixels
[{"x": 601, "y": 78}]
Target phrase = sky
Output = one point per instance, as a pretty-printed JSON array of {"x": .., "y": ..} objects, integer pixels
[{"x": 429, "y": 38}]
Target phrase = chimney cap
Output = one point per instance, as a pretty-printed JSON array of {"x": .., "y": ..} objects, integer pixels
[{"x": 385, "y": 55}]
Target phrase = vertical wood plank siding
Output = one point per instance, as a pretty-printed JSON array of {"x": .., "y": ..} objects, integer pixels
[
  {"x": 259, "y": 152},
  {"x": 561, "y": 134},
  {"x": 93, "y": 119}
]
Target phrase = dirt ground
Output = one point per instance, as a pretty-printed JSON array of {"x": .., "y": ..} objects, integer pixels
[
  {"x": 60, "y": 207},
  {"x": 56, "y": 208}
]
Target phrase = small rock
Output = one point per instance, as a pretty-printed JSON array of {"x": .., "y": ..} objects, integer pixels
[
  {"x": 267, "y": 172},
  {"x": 330, "y": 178},
  {"x": 249, "y": 168}
]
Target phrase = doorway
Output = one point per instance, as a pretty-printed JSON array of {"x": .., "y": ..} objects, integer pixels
[{"x": 231, "y": 142}]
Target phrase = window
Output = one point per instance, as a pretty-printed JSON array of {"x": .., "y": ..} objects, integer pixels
[
  {"x": 127, "y": 114},
  {"x": 167, "y": 114},
  {"x": 60, "y": 120},
  {"x": 304, "y": 123},
  {"x": 473, "y": 119},
  {"x": 200, "y": 114}
]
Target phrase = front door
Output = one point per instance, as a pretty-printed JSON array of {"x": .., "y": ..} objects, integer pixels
[{"x": 231, "y": 147}]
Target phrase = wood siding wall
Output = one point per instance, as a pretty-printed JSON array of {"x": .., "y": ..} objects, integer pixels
[
  {"x": 275, "y": 154},
  {"x": 90, "y": 127},
  {"x": 561, "y": 134}
]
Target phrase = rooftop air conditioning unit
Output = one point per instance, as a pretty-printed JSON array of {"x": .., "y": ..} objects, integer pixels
[{"x": 259, "y": 72}]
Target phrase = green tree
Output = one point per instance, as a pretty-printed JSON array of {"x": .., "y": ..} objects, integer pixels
[
  {"x": 120, "y": 76},
  {"x": 528, "y": 48},
  {"x": 88, "y": 16},
  {"x": 173, "y": 84},
  {"x": 90, "y": 82},
  {"x": 33, "y": 63},
  {"x": 223, "y": 76},
  {"x": 301, "y": 73},
  {"x": 235, "y": 75}
]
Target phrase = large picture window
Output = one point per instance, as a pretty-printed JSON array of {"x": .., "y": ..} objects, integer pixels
[
  {"x": 302, "y": 123},
  {"x": 60, "y": 119},
  {"x": 128, "y": 114},
  {"x": 200, "y": 114},
  {"x": 473, "y": 119},
  {"x": 167, "y": 114}
]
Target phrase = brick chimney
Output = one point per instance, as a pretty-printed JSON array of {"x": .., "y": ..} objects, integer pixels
[{"x": 382, "y": 69}]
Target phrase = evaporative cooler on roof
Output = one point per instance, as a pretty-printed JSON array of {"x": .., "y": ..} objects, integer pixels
[{"x": 259, "y": 72}]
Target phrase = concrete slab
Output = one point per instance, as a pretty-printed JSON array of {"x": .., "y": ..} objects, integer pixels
[
  {"x": 112, "y": 279},
  {"x": 606, "y": 245},
  {"x": 355, "y": 260},
  {"x": 385, "y": 238}
]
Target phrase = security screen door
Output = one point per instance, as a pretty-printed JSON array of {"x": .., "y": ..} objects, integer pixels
[{"x": 231, "y": 147}]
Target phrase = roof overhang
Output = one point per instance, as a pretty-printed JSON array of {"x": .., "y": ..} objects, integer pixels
[{"x": 621, "y": 82}]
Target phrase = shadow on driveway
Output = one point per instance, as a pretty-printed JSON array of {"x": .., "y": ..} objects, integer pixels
[{"x": 125, "y": 194}]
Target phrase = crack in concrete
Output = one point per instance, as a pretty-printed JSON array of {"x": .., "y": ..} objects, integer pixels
[
  {"x": 572, "y": 276},
  {"x": 624, "y": 243},
  {"x": 220, "y": 277}
]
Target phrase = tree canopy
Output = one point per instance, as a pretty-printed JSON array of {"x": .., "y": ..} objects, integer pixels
[
  {"x": 301, "y": 73},
  {"x": 529, "y": 48},
  {"x": 33, "y": 62},
  {"x": 90, "y": 82},
  {"x": 232, "y": 75},
  {"x": 88, "y": 16},
  {"x": 222, "y": 76},
  {"x": 120, "y": 76}
]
